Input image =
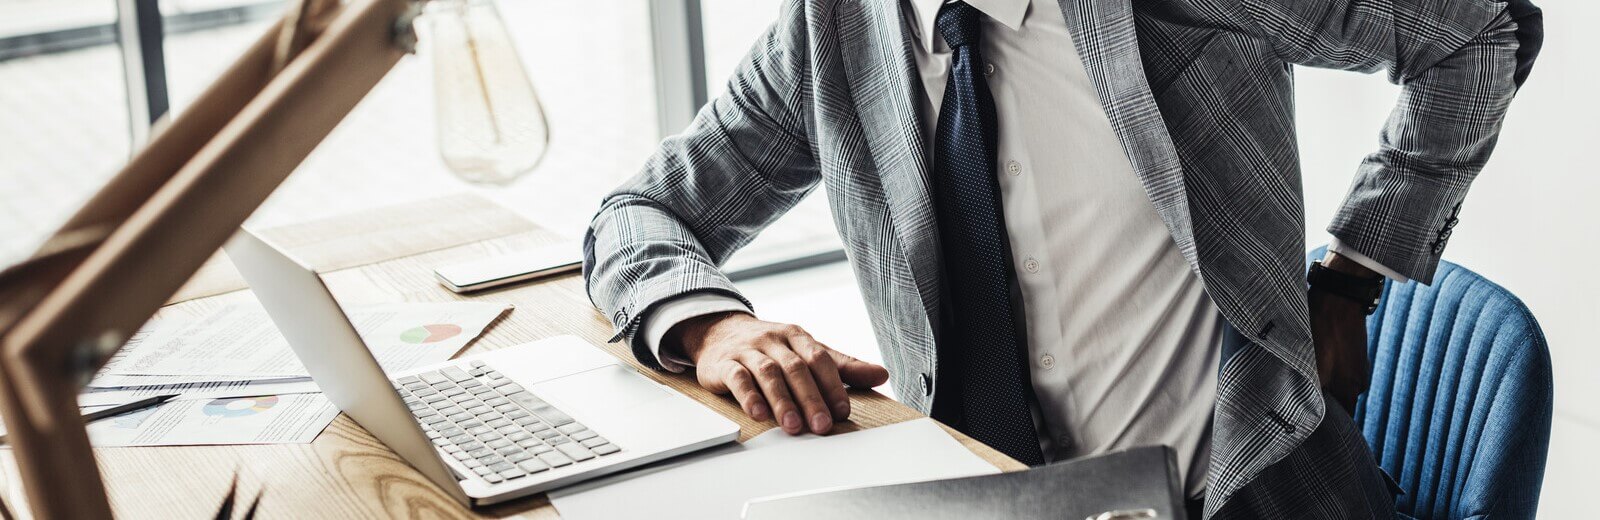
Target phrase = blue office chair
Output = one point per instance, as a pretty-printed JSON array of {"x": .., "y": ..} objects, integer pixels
[{"x": 1460, "y": 402}]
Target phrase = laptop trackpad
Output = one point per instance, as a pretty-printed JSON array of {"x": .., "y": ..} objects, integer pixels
[{"x": 611, "y": 387}]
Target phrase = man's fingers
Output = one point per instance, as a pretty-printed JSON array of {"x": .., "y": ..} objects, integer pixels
[
  {"x": 826, "y": 372},
  {"x": 803, "y": 386},
  {"x": 743, "y": 387},
  {"x": 858, "y": 373},
  {"x": 769, "y": 376}
]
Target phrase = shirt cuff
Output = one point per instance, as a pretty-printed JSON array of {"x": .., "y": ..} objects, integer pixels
[
  {"x": 1335, "y": 246},
  {"x": 677, "y": 310}
]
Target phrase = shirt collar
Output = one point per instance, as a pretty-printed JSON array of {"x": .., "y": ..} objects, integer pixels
[{"x": 1009, "y": 13}]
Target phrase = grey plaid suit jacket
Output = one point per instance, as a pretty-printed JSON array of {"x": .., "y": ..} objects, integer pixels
[{"x": 1200, "y": 95}]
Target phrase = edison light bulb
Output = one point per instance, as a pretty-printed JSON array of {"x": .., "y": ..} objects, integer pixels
[{"x": 491, "y": 126}]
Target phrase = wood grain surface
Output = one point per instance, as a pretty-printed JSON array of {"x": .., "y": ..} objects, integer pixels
[{"x": 346, "y": 473}]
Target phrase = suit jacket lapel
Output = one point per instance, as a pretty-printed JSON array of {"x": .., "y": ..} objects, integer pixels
[
  {"x": 884, "y": 83},
  {"x": 876, "y": 50},
  {"x": 1103, "y": 33}
]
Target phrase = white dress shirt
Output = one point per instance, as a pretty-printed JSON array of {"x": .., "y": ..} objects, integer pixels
[{"x": 1122, "y": 339}]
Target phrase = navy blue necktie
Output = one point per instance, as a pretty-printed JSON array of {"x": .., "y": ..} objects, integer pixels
[{"x": 981, "y": 349}]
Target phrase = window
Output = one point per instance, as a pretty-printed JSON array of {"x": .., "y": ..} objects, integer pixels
[
  {"x": 63, "y": 114},
  {"x": 67, "y": 126}
]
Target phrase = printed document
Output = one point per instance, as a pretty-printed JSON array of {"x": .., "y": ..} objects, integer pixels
[
  {"x": 270, "y": 419},
  {"x": 211, "y": 390},
  {"x": 241, "y": 342}
]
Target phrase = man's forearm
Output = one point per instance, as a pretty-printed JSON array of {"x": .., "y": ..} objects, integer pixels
[{"x": 1405, "y": 202}]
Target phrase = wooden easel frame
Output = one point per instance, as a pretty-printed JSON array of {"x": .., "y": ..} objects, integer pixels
[{"x": 65, "y": 310}]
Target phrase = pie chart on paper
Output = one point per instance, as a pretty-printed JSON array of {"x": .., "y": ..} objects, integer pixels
[
  {"x": 430, "y": 333},
  {"x": 239, "y": 406}
]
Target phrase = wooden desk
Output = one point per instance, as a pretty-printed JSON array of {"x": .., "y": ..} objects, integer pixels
[{"x": 346, "y": 473}]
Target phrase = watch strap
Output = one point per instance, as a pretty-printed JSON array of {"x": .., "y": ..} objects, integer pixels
[{"x": 1365, "y": 291}]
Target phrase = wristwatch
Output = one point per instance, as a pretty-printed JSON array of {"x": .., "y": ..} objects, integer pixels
[{"x": 1365, "y": 291}]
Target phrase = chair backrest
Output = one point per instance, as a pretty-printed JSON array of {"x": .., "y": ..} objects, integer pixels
[{"x": 1459, "y": 408}]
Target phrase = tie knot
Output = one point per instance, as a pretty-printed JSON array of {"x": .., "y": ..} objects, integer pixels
[{"x": 958, "y": 22}]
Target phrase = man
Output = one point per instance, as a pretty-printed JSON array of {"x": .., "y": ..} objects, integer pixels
[{"x": 1078, "y": 224}]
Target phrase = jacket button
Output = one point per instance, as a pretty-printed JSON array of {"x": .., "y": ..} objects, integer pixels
[{"x": 927, "y": 384}]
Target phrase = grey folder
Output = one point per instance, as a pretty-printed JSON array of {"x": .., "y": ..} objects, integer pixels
[{"x": 1132, "y": 483}]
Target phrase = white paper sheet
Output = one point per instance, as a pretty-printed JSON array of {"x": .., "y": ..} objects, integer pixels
[
  {"x": 279, "y": 419},
  {"x": 211, "y": 390},
  {"x": 241, "y": 342},
  {"x": 118, "y": 381},
  {"x": 716, "y": 485}
]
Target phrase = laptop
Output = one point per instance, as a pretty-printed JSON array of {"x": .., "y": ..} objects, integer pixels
[{"x": 489, "y": 427}]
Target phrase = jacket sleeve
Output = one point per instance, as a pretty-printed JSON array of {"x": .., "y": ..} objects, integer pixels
[
  {"x": 1459, "y": 63},
  {"x": 744, "y": 161}
]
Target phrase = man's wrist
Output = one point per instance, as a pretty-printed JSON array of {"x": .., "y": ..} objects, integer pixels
[
  {"x": 689, "y": 336},
  {"x": 1343, "y": 278},
  {"x": 1346, "y": 265}
]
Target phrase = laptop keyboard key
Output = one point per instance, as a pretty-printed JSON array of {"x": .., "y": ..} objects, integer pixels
[
  {"x": 584, "y": 435},
  {"x": 433, "y": 377},
  {"x": 455, "y": 374},
  {"x": 594, "y": 441},
  {"x": 553, "y": 416},
  {"x": 554, "y": 459},
  {"x": 605, "y": 449},
  {"x": 576, "y": 451},
  {"x": 512, "y": 473},
  {"x": 532, "y": 466}
]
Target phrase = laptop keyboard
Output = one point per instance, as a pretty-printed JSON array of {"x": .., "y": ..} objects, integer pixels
[{"x": 495, "y": 427}]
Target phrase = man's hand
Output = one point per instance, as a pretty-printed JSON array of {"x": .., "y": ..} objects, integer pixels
[
  {"x": 773, "y": 369},
  {"x": 1339, "y": 331}
]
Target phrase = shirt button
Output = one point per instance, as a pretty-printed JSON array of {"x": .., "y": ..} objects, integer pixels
[
  {"x": 1048, "y": 361},
  {"x": 1031, "y": 265},
  {"x": 1014, "y": 168},
  {"x": 988, "y": 69}
]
